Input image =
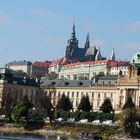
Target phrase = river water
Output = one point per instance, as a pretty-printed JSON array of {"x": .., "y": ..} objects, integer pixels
[{"x": 35, "y": 137}]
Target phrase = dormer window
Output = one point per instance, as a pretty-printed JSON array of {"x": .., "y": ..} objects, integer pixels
[
  {"x": 80, "y": 83},
  {"x": 53, "y": 83},
  {"x": 66, "y": 83}
]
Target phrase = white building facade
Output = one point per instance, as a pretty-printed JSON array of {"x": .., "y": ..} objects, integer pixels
[
  {"x": 83, "y": 70},
  {"x": 24, "y": 66}
]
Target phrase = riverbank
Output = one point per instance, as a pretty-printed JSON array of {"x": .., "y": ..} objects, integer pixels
[{"x": 107, "y": 132}]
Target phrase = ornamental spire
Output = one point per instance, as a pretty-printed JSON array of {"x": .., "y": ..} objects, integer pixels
[
  {"x": 87, "y": 44},
  {"x": 112, "y": 57},
  {"x": 73, "y": 37},
  {"x": 98, "y": 55}
]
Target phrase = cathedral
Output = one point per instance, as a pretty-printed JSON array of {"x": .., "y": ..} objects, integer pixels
[{"x": 73, "y": 52}]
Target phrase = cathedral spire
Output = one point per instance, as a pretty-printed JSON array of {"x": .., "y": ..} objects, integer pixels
[
  {"x": 98, "y": 55},
  {"x": 112, "y": 57},
  {"x": 87, "y": 44},
  {"x": 73, "y": 34}
]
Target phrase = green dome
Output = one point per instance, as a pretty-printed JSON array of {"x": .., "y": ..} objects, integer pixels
[{"x": 136, "y": 58}]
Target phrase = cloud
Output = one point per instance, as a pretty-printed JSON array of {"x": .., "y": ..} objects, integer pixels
[
  {"x": 133, "y": 27},
  {"x": 5, "y": 19}
]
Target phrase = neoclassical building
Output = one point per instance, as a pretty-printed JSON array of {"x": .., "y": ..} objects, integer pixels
[{"x": 117, "y": 88}]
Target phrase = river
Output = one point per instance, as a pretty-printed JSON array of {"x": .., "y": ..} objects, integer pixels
[{"x": 35, "y": 137}]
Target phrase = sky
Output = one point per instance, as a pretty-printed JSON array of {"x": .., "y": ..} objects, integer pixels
[{"x": 38, "y": 30}]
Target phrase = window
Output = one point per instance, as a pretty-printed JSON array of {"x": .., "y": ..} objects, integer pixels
[
  {"x": 98, "y": 103},
  {"x": 81, "y": 94},
  {"x": 68, "y": 93},
  {"x": 92, "y": 94},
  {"x": 76, "y": 103},
  {"x": 111, "y": 95},
  {"x": 98, "y": 95},
  {"x": 54, "y": 94},
  {"x": 77, "y": 94},
  {"x": 72, "y": 94},
  {"x": 121, "y": 102},
  {"x": 59, "y": 94},
  {"x": 105, "y": 95}
]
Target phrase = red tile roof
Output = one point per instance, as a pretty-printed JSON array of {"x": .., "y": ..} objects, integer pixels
[
  {"x": 86, "y": 63},
  {"x": 59, "y": 61},
  {"x": 42, "y": 64},
  {"x": 118, "y": 63}
]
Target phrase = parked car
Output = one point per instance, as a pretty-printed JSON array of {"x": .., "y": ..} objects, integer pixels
[
  {"x": 60, "y": 119},
  {"x": 96, "y": 122},
  {"x": 83, "y": 121},
  {"x": 71, "y": 120},
  {"x": 107, "y": 122}
]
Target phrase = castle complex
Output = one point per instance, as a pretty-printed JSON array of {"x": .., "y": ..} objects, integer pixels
[{"x": 77, "y": 72}]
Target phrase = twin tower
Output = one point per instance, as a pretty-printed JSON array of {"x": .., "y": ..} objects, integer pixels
[{"x": 73, "y": 52}]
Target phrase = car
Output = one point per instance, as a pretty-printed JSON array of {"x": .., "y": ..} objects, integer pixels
[
  {"x": 96, "y": 122},
  {"x": 107, "y": 122},
  {"x": 71, "y": 120},
  {"x": 59, "y": 119},
  {"x": 83, "y": 121}
]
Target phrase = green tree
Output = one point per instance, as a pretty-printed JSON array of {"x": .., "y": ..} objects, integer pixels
[
  {"x": 129, "y": 116},
  {"x": 45, "y": 105},
  {"x": 64, "y": 103},
  {"x": 22, "y": 109},
  {"x": 20, "y": 73},
  {"x": 8, "y": 103},
  {"x": 106, "y": 106},
  {"x": 85, "y": 104},
  {"x": 129, "y": 103},
  {"x": 52, "y": 76}
]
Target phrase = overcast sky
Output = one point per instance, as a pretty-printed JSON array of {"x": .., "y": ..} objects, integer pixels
[{"x": 38, "y": 30}]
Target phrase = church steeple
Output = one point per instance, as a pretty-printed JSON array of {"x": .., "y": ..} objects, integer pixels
[
  {"x": 87, "y": 44},
  {"x": 112, "y": 57}
]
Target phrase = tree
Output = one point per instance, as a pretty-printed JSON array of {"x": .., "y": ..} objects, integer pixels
[
  {"x": 22, "y": 109},
  {"x": 45, "y": 104},
  {"x": 129, "y": 116},
  {"x": 8, "y": 103},
  {"x": 129, "y": 103},
  {"x": 85, "y": 104},
  {"x": 64, "y": 103},
  {"x": 20, "y": 73},
  {"x": 106, "y": 106},
  {"x": 52, "y": 76}
]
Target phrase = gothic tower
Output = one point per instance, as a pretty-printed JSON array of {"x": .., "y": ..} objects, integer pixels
[{"x": 71, "y": 44}]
